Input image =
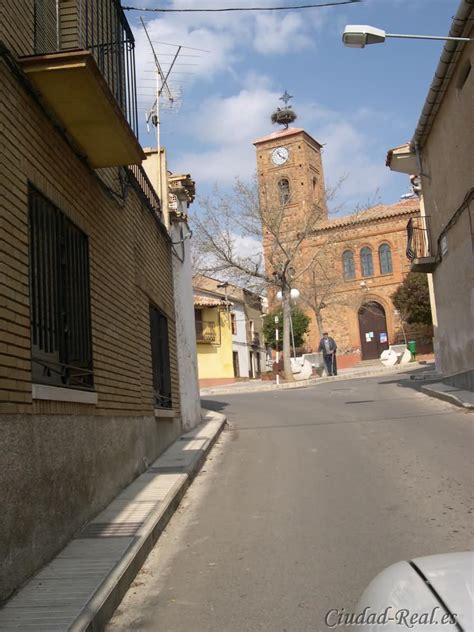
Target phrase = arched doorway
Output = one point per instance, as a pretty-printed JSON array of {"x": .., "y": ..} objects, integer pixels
[{"x": 373, "y": 330}]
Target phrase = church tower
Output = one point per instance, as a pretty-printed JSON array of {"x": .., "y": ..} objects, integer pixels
[{"x": 290, "y": 168}]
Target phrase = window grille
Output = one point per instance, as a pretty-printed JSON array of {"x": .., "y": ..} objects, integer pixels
[
  {"x": 160, "y": 357},
  {"x": 367, "y": 264},
  {"x": 60, "y": 297},
  {"x": 385, "y": 259},
  {"x": 348, "y": 265}
]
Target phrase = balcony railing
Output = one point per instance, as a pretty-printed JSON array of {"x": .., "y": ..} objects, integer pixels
[
  {"x": 144, "y": 188},
  {"x": 99, "y": 27},
  {"x": 255, "y": 339},
  {"x": 419, "y": 250},
  {"x": 207, "y": 331}
]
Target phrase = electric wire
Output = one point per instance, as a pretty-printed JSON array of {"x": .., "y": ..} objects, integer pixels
[{"x": 297, "y": 7}]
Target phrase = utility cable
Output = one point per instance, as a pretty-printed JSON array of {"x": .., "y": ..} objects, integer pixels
[{"x": 225, "y": 9}]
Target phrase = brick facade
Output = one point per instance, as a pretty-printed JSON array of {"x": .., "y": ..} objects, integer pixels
[
  {"x": 332, "y": 237},
  {"x": 63, "y": 461}
]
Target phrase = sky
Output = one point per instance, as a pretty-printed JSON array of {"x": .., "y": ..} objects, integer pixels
[{"x": 357, "y": 103}]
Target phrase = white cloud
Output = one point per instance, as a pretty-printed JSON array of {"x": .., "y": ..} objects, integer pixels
[{"x": 228, "y": 126}]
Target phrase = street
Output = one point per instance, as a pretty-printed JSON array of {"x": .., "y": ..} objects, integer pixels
[{"x": 303, "y": 500}]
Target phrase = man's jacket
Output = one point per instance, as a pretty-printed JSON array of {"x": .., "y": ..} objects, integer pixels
[{"x": 327, "y": 345}]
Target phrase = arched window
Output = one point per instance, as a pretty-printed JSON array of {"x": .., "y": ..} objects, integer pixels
[
  {"x": 284, "y": 188},
  {"x": 366, "y": 262},
  {"x": 385, "y": 259},
  {"x": 348, "y": 265}
]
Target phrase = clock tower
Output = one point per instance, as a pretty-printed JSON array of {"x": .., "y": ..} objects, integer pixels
[{"x": 290, "y": 169}]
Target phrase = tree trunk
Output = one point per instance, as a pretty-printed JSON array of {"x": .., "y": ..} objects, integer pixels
[
  {"x": 319, "y": 321},
  {"x": 286, "y": 334}
]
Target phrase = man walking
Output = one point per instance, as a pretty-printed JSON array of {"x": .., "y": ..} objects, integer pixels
[{"x": 328, "y": 346}]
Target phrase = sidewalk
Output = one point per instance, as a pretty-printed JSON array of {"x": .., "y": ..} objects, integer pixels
[
  {"x": 81, "y": 588},
  {"x": 450, "y": 394},
  {"x": 256, "y": 386}
]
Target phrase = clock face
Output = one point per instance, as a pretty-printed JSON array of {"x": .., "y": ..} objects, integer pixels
[{"x": 280, "y": 155}]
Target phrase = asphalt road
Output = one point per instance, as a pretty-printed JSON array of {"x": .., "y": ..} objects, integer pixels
[{"x": 307, "y": 496}]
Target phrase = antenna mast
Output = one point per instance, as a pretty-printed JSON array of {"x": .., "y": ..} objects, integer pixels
[{"x": 154, "y": 113}]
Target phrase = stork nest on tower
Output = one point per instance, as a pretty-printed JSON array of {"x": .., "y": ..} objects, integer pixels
[{"x": 283, "y": 116}]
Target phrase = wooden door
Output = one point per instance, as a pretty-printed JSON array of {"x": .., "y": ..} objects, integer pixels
[{"x": 373, "y": 330}]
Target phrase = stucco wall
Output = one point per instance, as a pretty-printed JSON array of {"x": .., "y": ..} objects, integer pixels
[
  {"x": 185, "y": 331},
  {"x": 215, "y": 360},
  {"x": 58, "y": 471},
  {"x": 448, "y": 160}
]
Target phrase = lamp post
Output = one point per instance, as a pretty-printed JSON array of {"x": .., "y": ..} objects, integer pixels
[{"x": 360, "y": 35}]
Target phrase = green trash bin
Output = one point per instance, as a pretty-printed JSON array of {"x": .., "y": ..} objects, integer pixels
[{"x": 411, "y": 344}]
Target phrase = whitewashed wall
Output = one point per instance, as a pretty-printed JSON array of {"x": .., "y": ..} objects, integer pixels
[
  {"x": 239, "y": 340},
  {"x": 185, "y": 329}
]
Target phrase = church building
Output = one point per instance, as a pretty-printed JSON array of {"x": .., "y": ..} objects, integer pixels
[{"x": 352, "y": 264}]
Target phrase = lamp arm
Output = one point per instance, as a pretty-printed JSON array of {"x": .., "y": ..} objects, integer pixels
[{"x": 431, "y": 37}]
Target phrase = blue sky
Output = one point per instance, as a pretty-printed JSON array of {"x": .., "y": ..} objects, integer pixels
[{"x": 358, "y": 103}]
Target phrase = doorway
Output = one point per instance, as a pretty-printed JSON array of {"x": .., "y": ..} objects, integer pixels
[
  {"x": 373, "y": 330},
  {"x": 235, "y": 362}
]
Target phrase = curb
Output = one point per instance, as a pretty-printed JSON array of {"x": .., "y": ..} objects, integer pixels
[
  {"x": 447, "y": 397},
  {"x": 106, "y": 600},
  {"x": 311, "y": 381}
]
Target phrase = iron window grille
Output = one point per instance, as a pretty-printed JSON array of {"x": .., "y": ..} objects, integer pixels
[
  {"x": 160, "y": 357},
  {"x": 61, "y": 346},
  {"x": 367, "y": 263}
]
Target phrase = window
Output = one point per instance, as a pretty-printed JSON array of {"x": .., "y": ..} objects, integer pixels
[
  {"x": 233, "y": 324},
  {"x": 61, "y": 348},
  {"x": 348, "y": 265},
  {"x": 385, "y": 259},
  {"x": 160, "y": 358},
  {"x": 284, "y": 188},
  {"x": 367, "y": 264}
]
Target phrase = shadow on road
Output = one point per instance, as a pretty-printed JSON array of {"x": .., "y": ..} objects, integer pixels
[{"x": 211, "y": 404}]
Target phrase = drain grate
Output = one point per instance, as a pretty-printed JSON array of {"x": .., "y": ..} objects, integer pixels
[
  {"x": 110, "y": 530},
  {"x": 163, "y": 469}
]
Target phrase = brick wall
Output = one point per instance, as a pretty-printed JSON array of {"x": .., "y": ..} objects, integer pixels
[
  {"x": 63, "y": 462},
  {"x": 130, "y": 263}
]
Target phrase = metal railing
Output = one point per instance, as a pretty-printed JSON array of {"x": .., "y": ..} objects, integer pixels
[
  {"x": 255, "y": 339},
  {"x": 101, "y": 27},
  {"x": 418, "y": 238},
  {"x": 144, "y": 188},
  {"x": 207, "y": 331}
]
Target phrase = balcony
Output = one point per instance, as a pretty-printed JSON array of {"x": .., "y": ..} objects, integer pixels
[
  {"x": 207, "y": 332},
  {"x": 84, "y": 68},
  {"x": 255, "y": 339},
  {"x": 419, "y": 250}
]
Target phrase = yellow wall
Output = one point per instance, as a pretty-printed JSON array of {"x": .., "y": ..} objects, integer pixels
[{"x": 215, "y": 360}]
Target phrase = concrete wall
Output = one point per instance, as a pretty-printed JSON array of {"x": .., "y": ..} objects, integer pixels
[
  {"x": 58, "y": 471},
  {"x": 448, "y": 160}
]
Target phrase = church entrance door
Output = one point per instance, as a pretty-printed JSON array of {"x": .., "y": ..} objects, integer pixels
[{"x": 373, "y": 330}]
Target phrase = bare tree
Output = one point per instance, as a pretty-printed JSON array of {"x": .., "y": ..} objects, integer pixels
[{"x": 268, "y": 218}]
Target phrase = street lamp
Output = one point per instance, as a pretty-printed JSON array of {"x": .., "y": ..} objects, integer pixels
[{"x": 360, "y": 35}]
